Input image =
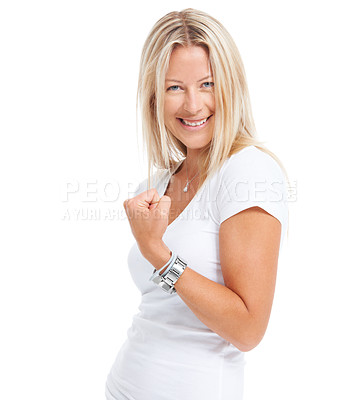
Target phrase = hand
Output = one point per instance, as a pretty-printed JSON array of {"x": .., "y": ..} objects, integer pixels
[{"x": 148, "y": 217}]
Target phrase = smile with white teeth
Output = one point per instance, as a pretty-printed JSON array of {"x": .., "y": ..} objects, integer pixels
[{"x": 194, "y": 123}]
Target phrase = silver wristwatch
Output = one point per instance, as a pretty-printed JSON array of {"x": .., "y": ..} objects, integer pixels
[{"x": 167, "y": 281}]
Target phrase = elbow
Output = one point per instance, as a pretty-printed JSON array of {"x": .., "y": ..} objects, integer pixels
[
  {"x": 251, "y": 337},
  {"x": 246, "y": 346}
]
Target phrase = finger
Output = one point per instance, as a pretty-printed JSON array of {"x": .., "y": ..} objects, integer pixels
[
  {"x": 164, "y": 206},
  {"x": 153, "y": 205},
  {"x": 150, "y": 197}
]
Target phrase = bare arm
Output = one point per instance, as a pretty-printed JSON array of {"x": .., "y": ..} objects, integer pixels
[{"x": 239, "y": 311}]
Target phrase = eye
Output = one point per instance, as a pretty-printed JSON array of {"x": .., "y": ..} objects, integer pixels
[
  {"x": 174, "y": 86},
  {"x": 210, "y": 83}
]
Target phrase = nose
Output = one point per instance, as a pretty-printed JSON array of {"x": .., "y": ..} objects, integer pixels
[{"x": 193, "y": 102}]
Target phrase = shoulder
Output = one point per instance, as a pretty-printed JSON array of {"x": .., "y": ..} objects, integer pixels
[
  {"x": 251, "y": 162},
  {"x": 253, "y": 171},
  {"x": 251, "y": 178}
]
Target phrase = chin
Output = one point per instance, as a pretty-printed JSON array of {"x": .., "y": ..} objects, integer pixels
[
  {"x": 194, "y": 140},
  {"x": 196, "y": 144}
]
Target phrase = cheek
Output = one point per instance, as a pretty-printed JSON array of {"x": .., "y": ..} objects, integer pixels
[
  {"x": 169, "y": 108},
  {"x": 212, "y": 102},
  {"x": 166, "y": 116},
  {"x": 170, "y": 113}
]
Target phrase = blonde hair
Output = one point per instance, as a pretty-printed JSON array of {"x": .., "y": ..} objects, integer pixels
[{"x": 234, "y": 127}]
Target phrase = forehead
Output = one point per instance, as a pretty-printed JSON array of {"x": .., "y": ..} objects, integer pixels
[{"x": 188, "y": 63}]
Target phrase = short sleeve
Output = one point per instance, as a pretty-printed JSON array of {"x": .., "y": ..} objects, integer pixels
[{"x": 252, "y": 178}]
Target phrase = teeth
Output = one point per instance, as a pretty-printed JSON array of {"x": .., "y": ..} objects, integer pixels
[{"x": 194, "y": 123}]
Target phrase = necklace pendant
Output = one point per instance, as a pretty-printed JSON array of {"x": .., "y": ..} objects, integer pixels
[{"x": 185, "y": 188}]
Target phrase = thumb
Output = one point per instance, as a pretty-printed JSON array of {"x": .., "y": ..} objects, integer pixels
[{"x": 164, "y": 205}]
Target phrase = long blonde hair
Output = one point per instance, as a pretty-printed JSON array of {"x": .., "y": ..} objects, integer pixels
[{"x": 234, "y": 127}]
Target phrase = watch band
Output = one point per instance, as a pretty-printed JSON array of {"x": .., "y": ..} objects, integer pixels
[
  {"x": 167, "y": 280},
  {"x": 155, "y": 277}
]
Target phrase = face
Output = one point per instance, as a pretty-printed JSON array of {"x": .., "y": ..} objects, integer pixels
[{"x": 189, "y": 104}]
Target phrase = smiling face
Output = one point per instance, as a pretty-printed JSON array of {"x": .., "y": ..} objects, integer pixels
[{"x": 189, "y": 103}]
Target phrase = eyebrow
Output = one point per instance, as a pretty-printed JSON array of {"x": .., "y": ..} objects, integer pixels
[{"x": 175, "y": 80}]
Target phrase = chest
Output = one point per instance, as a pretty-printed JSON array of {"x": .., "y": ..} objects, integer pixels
[{"x": 179, "y": 199}]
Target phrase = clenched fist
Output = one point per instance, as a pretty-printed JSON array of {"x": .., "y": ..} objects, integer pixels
[{"x": 148, "y": 217}]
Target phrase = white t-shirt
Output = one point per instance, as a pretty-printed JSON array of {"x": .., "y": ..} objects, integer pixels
[{"x": 169, "y": 353}]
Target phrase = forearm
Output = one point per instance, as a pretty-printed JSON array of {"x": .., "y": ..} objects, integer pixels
[{"x": 217, "y": 306}]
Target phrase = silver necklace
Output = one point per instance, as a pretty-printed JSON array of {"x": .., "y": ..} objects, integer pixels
[{"x": 188, "y": 182}]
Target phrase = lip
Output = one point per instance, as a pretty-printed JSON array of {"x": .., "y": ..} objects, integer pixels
[
  {"x": 196, "y": 120},
  {"x": 194, "y": 128}
]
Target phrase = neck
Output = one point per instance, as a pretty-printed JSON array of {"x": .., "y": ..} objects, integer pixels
[{"x": 191, "y": 161}]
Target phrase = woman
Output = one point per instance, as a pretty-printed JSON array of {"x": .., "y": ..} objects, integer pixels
[{"x": 209, "y": 227}]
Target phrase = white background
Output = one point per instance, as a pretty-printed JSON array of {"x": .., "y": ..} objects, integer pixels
[{"x": 68, "y": 88}]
